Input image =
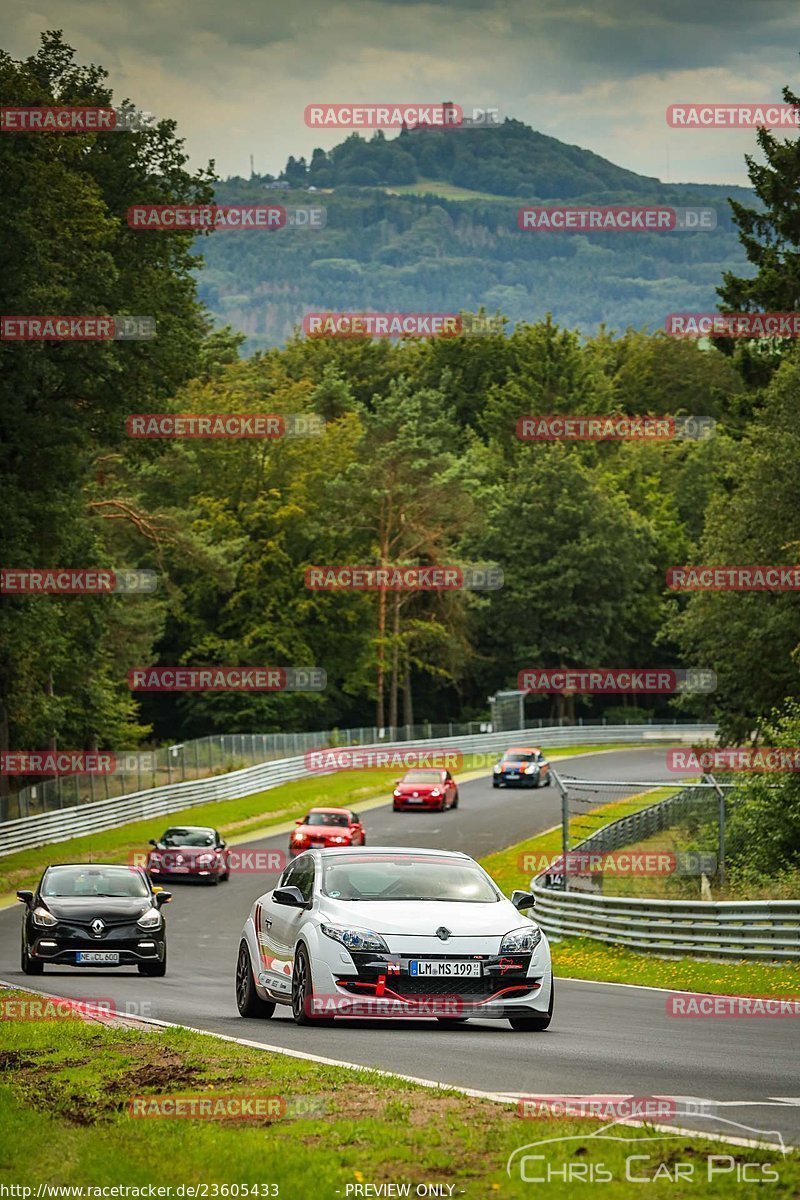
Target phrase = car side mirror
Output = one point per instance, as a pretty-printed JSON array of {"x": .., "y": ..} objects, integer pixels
[
  {"x": 152, "y": 842},
  {"x": 299, "y": 821},
  {"x": 292, "y": 897},
  {"x": 163, "y": 898},
  {"x": 222, "y": 846},
  {"x": 522, "y": 900},
  {"x": 25, "y": 897}
]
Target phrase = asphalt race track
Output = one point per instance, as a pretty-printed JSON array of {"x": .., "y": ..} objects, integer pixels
[{"x": 605, "y": 1039}]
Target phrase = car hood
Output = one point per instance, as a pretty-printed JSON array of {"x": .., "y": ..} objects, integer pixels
[
  {"x": 77, "y": 908},
  {"x": 188, "y": 850},
  {"x": 322, "y": 831},
  {"x": 424, "y": 917},
  {"x": 419, "y": 787}
]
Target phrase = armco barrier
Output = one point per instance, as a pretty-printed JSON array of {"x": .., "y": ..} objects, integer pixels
[
  {"x": 767, "y": 929},
  {"x": 66, "y": 823}
]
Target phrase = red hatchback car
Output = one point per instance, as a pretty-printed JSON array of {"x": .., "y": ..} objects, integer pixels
[
  {"x": 426, "y": 788},
  {"x": 324, "y": 827},
  {"x": 189, "y": 852}
]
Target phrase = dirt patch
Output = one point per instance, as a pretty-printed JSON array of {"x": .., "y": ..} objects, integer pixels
[
  {"x": 13, "y": 1060},
  {"x": 169, "y": 1072}
]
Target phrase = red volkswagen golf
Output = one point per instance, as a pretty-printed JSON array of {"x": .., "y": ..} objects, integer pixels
[
  {"x": 426, "y": 787},
  {"x": 327, "y": 827}
]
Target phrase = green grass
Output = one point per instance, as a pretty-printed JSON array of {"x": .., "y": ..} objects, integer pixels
[
  {"x": 64, "y": 1109},
  {"x": 234, "y": 818},
  {"x": 583, "y": 958}
]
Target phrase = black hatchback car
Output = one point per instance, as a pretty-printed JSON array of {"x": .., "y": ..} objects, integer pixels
[{"x": 94, "y": 915}]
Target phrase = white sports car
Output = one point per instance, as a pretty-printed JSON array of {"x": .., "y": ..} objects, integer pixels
[{"x": 393, "y": 932}]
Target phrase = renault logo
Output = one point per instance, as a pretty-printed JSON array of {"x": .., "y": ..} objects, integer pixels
[
  {"x": 443, "y": 933},
  {"x": 97, "y": 927}
]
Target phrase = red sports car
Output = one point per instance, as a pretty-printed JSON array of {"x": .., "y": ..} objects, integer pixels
[
  {"x": 327, "y": 827},
  {"x": 189, "y": 852},
  {"x": 427, "y": 788}
]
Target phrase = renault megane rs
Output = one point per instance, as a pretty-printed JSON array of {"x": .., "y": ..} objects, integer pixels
[{"x": 393, "y": 932}]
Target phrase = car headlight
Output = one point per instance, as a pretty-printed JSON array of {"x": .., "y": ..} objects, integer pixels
[
  {"x": 206, "y": 859},
  {"x": 497, "y": 768},
  {"x": 522, "y": 940},
  {"x": 150, "y": 920},
  {"x": 42, "y": 917},
  {"x": 435, "y": 792},
  {"x": 397, "y": 793},
  {"x": 531, "y": 770},
  {"x": 355, "y": 939}
]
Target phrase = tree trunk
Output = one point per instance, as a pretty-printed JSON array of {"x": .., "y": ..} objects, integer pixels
[
  {"x": 4, "y": 782},
  {"x": 380, "y": 713},
  {"x": 408, "y": 699},
  {"x": 395, "y": 680}
]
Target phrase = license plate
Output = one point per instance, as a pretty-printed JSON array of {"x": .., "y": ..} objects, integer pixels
[
  {"x": 458, "y": 970},
  {"x": 413, "y": 799},
  {"x": 317, "y": 843},
  {"x": 512, "y": 774},
  {"x": 179, "y": 870},
  {"x": 97, "y": 956}
]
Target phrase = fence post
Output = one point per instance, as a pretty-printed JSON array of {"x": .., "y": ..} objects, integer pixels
[
  {"x": 720, "y": 829},
  {"x": 564, "y": 826}
]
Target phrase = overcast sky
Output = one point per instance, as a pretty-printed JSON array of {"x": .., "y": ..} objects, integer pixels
[{"x": 237, "y": 75}]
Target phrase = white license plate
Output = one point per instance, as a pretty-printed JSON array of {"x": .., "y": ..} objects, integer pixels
[
  {"x": 97, "y": 956},
  {"x": 413, "y": 799},
  {"x": 458, "y": 970}
]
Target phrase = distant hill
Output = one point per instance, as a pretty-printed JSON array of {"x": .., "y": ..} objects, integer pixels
[{"x": 399, "y": 236}]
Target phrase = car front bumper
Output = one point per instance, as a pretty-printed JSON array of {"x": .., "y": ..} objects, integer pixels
[
  {"x": 380, "y": 985},
  {"x": 516, "y": 780},
  {"x": 63, "y": 951}
]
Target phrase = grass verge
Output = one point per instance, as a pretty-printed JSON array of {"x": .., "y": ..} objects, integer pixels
[
  {"x": 64, "y": 1107},
  {"x": 583, "y": 958}
]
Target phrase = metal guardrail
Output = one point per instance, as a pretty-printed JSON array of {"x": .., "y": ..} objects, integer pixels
[
  {"x": 66, "y": 823},
  {"x": 222, "y": 753},
  {"x": 765, "y": 929}
]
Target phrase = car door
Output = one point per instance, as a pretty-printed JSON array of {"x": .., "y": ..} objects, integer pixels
[
  {"x": 357, "y": 829},
  {"x": 544, "y": 768},
  {"x": 450, "y": 788},
  {"x": 286, "y": 920},
  {"x": 222, "y": 850},
  {"x": 268, "y": 920}
]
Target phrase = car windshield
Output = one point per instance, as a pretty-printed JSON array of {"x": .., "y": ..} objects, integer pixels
[
  {"x": 188, "y": 837},
  {"x": 519, "y": 757},
  {"x": 422, "y": 777},
  {"x": 323, "y": 818},
  {"x": 406, "y": 877},
  {"x": 94, "y": 881}
]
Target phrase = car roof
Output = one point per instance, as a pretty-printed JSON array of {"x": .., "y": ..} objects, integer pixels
[
  {"x": 192, "y": 828},
  {"x": 371, "y": 851},
  {"x": 523, "y": 750},
  {"x": 438, "y": 770},
  {"x": 317, "y": 808},
  {"x": 95, "y": 866}
]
